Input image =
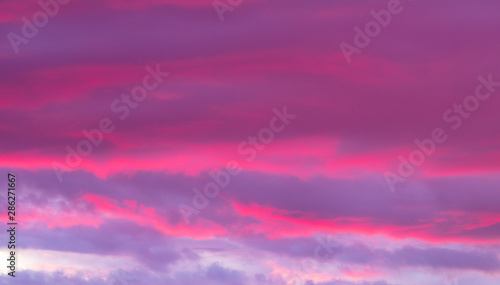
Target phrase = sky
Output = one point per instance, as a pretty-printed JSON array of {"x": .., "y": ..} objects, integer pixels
[{"x": 246, "y": 142}]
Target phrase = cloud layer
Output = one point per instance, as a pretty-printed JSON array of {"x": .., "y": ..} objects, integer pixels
[{"x": 309, "y": 202}]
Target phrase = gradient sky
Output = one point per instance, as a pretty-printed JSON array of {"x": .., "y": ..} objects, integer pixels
[{"x": 114, "y": 218}]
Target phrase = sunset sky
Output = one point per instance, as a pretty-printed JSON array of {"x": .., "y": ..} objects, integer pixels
[{"x": 190, "y": 142}]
